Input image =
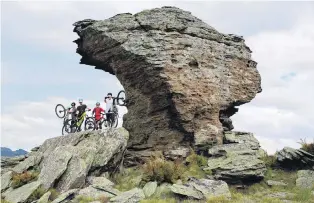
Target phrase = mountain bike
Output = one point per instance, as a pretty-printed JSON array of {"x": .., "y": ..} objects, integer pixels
[
  {"x": 121, "y": 101},
  {"x": 74, "y": 124}
]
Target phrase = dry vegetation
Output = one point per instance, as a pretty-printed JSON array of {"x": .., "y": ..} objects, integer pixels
[
  {"x": 308, "y": 147},
  {"x": 19, "y": 179},
  {"x": 84, "y": 199}
]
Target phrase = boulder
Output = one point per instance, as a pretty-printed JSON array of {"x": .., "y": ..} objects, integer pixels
[
  {"x": 100, "y": 181},
  {"x": 238, "y": 161},
  {"x": 202, "y": 189},
  {"x": 150, "y": 188},
  {"x": 305, "y": 179},
  {"x": 179, "y": 74},
  {"x": 290, "y": 158},
  {"x": 22, "y": 194},
  {"x": 33, "y": 160},
  {"x": 132, "y": 196},
  {"x": 6, "y": 180}
]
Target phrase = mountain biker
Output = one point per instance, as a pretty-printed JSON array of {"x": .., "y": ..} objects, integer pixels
[
  {"x": 81, "y": 113},
  {"x": 98, "y": 116},
  {"x": 109, "y": 102},
  {"x": 72, "y": 112}
]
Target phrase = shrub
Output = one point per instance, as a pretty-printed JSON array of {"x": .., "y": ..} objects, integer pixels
[
  {"x": 160, "y": 170},
  {"x": 195, "y": 159},
  {"x": 269, "y": 160},
  {"x": 19, "y": 179},
  {"x": 308, "y": 147}
]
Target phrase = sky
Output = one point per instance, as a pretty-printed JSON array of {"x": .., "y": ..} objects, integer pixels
[{"x": 39, "y": 66}]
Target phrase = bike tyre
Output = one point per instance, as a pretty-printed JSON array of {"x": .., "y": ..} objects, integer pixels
[
  {"x": 60, "y": 115},
  {"x": 123, "y": 100}
]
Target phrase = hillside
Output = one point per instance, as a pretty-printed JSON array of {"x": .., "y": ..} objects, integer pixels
[{"x": 7, "y": 152}]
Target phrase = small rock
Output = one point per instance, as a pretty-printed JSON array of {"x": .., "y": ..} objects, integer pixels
[
  {"x": 150, "y": 188},
  {"x": 162, "y": 190},
  {"x": 179, "y": 182},
  {"x": 6, "y": 180},
  {"x": 187, "y": 191},
  {"x": 95, "y": 192},
  {"x": 305, "y": 179},
  {"x": 44, "y": 198},
  {"x": 275, "y": 183},
  {"x": 22, "y": 193},
  {"x": 100, "y": 181},
  {"x": 211, "y": 188},
  {"x": 132, "y": 196},
  {"x": 64, "y": 196}
]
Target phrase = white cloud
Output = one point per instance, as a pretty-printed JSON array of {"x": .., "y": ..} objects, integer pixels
[
  {"x": 282, "y": 114},
  {"x": 29, "y": 124}
]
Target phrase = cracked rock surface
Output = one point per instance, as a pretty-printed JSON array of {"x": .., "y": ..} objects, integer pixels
[{"x": 182, "y": 77}]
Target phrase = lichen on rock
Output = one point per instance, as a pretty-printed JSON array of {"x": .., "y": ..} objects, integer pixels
[{"x": 182, "y": 77}]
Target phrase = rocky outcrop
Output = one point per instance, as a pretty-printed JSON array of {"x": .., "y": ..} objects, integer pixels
[
  {"x": 290, "y": 158},
  {"x": 7, "y": 163},
  {"x": 238, "y": 160},
  {"x": 71, "y": 162},
  {"x": 183, "y": 78}
]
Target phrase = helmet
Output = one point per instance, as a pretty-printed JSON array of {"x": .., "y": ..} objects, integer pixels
[
  {"x": 80, "y": 100},
  {"x": 97, "y": 104},
  {"x": 73, "y": 104},
  {"x": 109, "y": 94}
]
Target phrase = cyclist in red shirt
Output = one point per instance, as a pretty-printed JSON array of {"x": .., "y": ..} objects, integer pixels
[{"x": 98, "y": 116}]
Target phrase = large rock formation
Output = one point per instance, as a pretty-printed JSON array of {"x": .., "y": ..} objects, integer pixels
[
  {"x": 182, "y": 77},
  {"x": 69, "y": 162}
]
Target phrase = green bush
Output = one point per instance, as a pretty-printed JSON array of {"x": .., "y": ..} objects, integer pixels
[
  {"x": 54, "y": 194},
  {"x": 85, "y": 199},
  {"x": 19, "y": 179},
  {"x": 127, "y": 179},
  {"x": 308, "y": 147}
]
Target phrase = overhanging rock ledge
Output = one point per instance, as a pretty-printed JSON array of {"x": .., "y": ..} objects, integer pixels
[{"x": 183, "y": 78}]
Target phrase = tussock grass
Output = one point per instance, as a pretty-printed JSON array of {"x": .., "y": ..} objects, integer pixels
[
  {"x": 36, "y": 194},
  {"x": 308, "y": 147},
  {"x": 54, "y": 194},
  {"x": 127, "y": 179},
  {"x": 157, "y": 168},
  {"x": 19, "y": 179}
]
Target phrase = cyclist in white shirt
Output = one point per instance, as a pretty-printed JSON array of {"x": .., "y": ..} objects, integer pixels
[{"x": 109, "y": 102}]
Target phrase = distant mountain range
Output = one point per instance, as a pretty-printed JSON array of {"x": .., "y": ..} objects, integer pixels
[{"x": 9, "y": 153}]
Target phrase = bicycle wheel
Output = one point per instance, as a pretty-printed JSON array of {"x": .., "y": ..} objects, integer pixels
[
  {"x": 121, "y": 98},
  {"x": 90, "y": 125},
  {"x": 60, "y": 110},
  {"x": 67, "y": 128}
]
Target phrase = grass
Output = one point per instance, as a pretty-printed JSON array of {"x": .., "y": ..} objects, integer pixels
[
  {"x": 167, "y": 200},
  {"x": 19, "y": 179},
  {"x": 269, "y": 160},
  {"x": 36, "y": 194},
  {"x": 85, "y": 199},
  {"x": 54, "y": 194},
  {"x": 308, "y": 147},
  {"x": 127, "y": 179},
  {"x": 4, "y": 201}
]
